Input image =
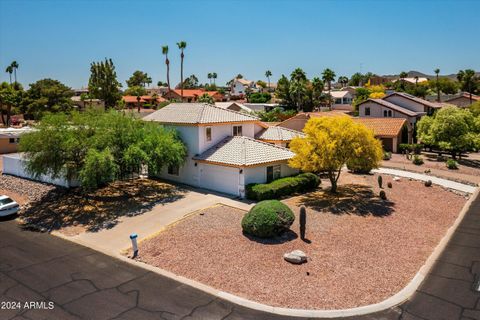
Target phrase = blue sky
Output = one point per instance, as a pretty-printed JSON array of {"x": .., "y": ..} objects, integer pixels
[{"x": 59, "y": 39}]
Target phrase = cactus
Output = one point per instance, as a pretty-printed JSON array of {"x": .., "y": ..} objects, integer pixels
[
  {"x": 428, "y": 183},
  {"x": 303, "y": 221},
  {"x": 389, "y": 185},
  {"x": 380, "y": 181},
  {"x": 383, "y": 195}
]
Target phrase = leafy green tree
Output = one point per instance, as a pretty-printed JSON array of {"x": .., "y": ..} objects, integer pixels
[
  {"x": 444, "y": 85},
  {"x": 139, "y": 79},
  {"x": 47, "y": 95},
  {"x": 275, "y": 115},
  {"x": 167, "y": 63},
  {"x": 99, "y": 147},
  {"x": 103, "y": 83},
  {"x": 259, "y": 97},
  {"x": 205, "y": 98},
  {"x": 356, "y": 79},
  {"x": 190, "y": 83},
  {"x": 181, "y": 45},
  {"x": 475, "y": 109},
  {"x": 451, "y": 129},
  {"x": 10, "y": 98},
  {"x": 135, "y": 91},
  {"x": 468, "y": 81},
  {"x": 317, "y": 92}
]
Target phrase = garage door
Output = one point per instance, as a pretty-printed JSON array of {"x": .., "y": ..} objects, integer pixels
[{"x": 219, "y": 179}]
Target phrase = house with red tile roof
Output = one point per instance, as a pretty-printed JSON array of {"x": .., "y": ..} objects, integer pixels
[
  {"x": 140, "y": 101},
  {"x": 192, "y": 95}
]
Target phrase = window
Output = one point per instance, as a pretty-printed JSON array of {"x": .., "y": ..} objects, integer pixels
[
  {"x": 390, "y": 113},
  {"x": 173, "y": 170},
  {"x": 11, "y": 140},
  {"x": 367, "y": 111},
  {"x": 384, "y": 113},
  {"x": 237, "y": 130},
  {"x": 338, "y": 101},
  {"x": 273, "y": 173},
  {"x": 208, "y": 133}
]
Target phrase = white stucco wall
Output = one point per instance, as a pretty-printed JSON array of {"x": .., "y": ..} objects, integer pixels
[
  {"x": 220, "y": 132},
  {"x": 14, "y": 164}
]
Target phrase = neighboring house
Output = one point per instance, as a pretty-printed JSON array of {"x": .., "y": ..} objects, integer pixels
[
  {"x": 240, "y": 87},
  {"x": 413, "y": 103},
  {"x": 223, "y": 154},
  {"x": 389, "y": 131},
  {"x": 352, "y": 90},
  {"x": 232, "y": 105},
  {"x": 278, "y": 136},
  {"x": 10, "y": 138},
  {"x": 342, "y": 100},
  {"x": 463, "y": 100},
  {"x": 192, "y": 95},
  {"x": 88, "y": 103},
  {"x": 298, "y": 121},
  {"x": 159, "y": 91},
  {"x": 263, "y": 107},
  {"x": 132, "y": 102}
]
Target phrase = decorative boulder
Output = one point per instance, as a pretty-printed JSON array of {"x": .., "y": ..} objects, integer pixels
[
  {"x": 396, "y": 178},
  {"x": 295, "y": 257}
]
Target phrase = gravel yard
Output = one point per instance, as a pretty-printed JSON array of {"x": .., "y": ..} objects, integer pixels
[
  {"x": 468, "y": 168},
  {"x": 362, "y": 249},
  {"x": 22, "y": 190}
]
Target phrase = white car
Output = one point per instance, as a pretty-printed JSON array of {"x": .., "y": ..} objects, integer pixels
[{"x": 8, "y": 206}]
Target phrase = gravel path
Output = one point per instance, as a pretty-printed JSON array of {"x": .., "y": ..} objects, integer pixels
[{"x": 362, "y": 251}]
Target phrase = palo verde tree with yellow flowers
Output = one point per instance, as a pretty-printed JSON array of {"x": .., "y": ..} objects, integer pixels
[{"x": 333, "y": 142}]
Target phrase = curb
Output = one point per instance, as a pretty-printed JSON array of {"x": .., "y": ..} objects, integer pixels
[{"x": 394, "y": 300}]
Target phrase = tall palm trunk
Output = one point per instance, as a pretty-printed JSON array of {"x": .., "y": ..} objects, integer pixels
[
  {"x": 15, "y": 74},
  {"x": 10, "y": 75},
  {"x": 438, "y": 90},
  {"x": 167, "y": 62},
  {"x": 181, "y": 74}
]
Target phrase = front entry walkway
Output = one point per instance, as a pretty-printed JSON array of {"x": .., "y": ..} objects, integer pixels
[
  {"x": 424, "y": 177},
  {"x": 117, "y": 238}
]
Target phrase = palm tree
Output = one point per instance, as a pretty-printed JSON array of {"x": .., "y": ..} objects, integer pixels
[
  {"x": 416, "y": 80},
  {"x": 10, "y": 71},
  {"x": 437, "y": 84},
  {"x": 343, "y": 80},
  {"x": 268, "y": 74},
  {"x": 467, "y": 78},
  {"x": 14, "y": 65},
  {"x": 167, "y": 62},
  {"x": 181, "y": 45},
  {"x": 328, "y": 76},
  {"x": 209, "y": 76},
  {"x": 402, "y": 76},
  {"x": 214, "y": 76}
]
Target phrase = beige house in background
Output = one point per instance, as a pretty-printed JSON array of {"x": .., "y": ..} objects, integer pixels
[{"x": 10, "y": 138}]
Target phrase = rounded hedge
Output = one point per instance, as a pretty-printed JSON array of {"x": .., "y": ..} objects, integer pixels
[{"x": 267, "y": 219}]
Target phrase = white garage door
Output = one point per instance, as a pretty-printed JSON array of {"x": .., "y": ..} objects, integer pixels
[{"x": 221, "y": 179}]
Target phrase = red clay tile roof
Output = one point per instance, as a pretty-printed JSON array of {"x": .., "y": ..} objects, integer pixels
[
  {"x": 133, "y": 99},
  {"x": 383, "y": 127},
  {"x": 194, "y": 92}
]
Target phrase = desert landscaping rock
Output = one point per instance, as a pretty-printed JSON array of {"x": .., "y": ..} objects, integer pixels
[
  {"x": 363, "y": 250},
  {"x": 295, "y": 257}
]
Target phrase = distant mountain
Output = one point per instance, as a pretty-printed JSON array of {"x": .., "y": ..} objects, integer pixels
[{"x": 413, "y": 73}]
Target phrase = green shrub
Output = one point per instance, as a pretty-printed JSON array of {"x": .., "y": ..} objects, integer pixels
[
  {"x": 267, "y": 219},
  {"x": 360, "y": 165},
  {"x": 415, "y": 147},
  {"x": 383, "y": 195},
  {"x": 387, "y": 155},
  {"x": 428, "y": 183},
  {"x": 282, "y": 187},
  {"x": 452, "y": 164},
  {"x": 417, "y": 160}
]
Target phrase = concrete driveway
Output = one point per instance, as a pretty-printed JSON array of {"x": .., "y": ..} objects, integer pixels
[{"x": 117, "y": 238}]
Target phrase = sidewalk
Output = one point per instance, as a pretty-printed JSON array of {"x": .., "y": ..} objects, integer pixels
[
  {"x": 424, "y": 177},
  {"x": 117, "y": 238}
]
